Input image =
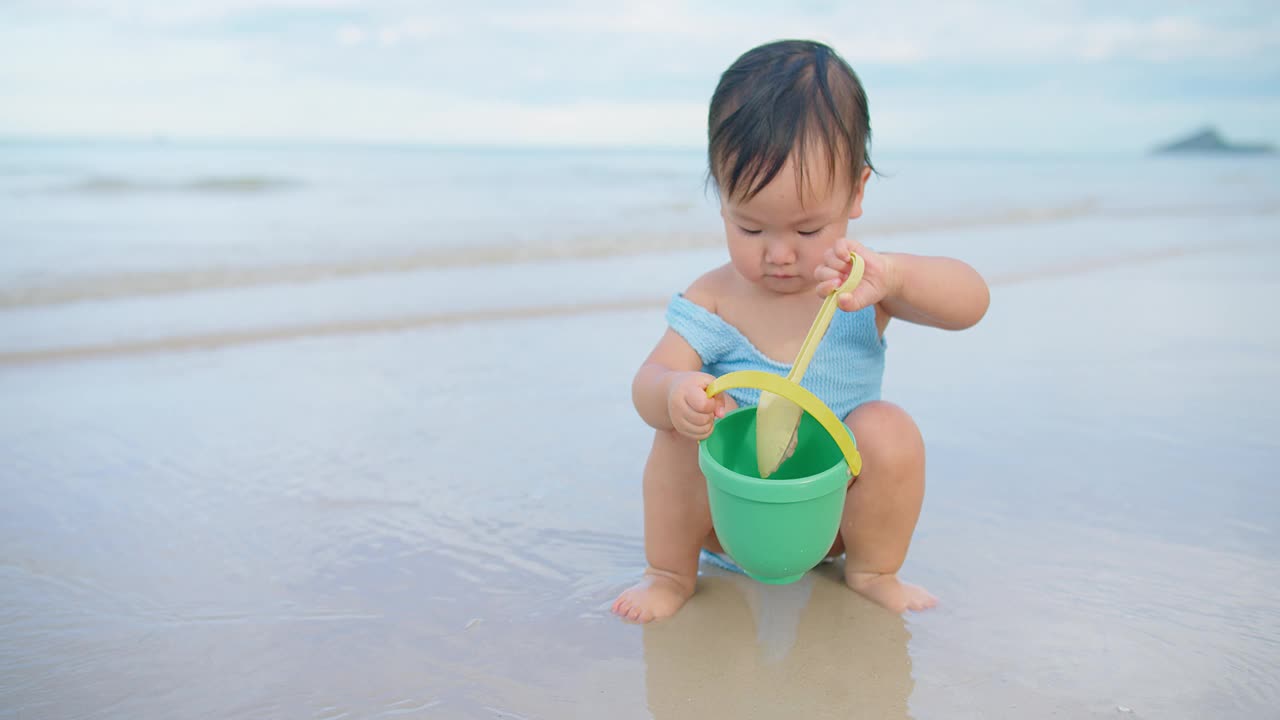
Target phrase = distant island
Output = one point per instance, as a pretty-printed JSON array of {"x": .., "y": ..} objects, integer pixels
[{"x": 1208, "y": 140}]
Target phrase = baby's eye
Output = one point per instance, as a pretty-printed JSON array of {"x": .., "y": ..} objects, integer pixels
[
  {"x": 810, "y": 233},
  {"x": 749, "y": 231}
]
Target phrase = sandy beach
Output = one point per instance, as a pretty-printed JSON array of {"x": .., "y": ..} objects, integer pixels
[{"x": 416, "y": 493}]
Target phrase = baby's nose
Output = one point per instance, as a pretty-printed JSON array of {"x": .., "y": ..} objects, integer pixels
[{"x": 779, "y": 253}]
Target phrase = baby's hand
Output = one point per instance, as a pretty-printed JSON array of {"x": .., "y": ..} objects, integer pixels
[
  {"x": 693, "y": 413},
  {"x": 879, "y": 278}
]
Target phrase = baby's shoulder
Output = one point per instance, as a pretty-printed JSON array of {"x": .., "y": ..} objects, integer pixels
[{"x": 709, "y": 289}]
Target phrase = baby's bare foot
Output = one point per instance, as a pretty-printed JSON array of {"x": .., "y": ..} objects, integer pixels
[
  {"x": 887, "y": 590},
  {"x": 659, "y": 595}
]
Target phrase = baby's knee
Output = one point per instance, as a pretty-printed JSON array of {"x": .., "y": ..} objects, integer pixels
[
  {"x": 672, "y": 446},
  {"x": 886, "y": 431},
  {"x": 673, "y": 438}
]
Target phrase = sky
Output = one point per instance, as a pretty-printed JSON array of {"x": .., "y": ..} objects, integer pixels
[{"x": 965, "y": 75}]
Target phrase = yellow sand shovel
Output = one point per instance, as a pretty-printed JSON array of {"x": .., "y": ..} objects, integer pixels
[{"x": 777, "y": 418}]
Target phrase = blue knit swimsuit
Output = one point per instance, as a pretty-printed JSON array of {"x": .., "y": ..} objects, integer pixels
[{"x": 846, "y": 370}]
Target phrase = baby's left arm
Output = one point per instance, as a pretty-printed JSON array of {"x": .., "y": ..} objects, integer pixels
[{"x": 937, "y": 291}]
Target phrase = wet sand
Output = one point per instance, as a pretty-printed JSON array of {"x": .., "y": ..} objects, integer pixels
[{"x": 431, "y": 519}]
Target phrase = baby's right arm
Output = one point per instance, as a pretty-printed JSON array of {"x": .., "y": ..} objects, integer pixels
[
  {"x": 670, "y": 389},
  {"x": 671, "y": 394}
]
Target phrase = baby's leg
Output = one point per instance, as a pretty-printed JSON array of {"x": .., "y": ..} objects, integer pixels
[
  {"x": 881, "y": 509},
  {"x": 676, "y": 521}
]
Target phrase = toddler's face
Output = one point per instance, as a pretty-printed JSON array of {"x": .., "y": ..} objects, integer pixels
[{"x": 777, "y": 238}]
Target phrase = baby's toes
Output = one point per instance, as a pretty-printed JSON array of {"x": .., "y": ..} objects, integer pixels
[
  {"x": 921, "y": 599},
  {"x": 621, "y": 606}
]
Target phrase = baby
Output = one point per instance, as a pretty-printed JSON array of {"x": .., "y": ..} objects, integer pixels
[{"x": 788, "y": 152}]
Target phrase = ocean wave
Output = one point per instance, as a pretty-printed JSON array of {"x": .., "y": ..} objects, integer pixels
[
  {"x": 166, "y": 282},
  {"x": 230, "y": 184},
  {"x": 232, "y": 337}
]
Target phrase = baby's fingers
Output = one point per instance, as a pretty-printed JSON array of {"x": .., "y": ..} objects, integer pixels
[
  {"x": 860, "y": 297},
  {"x": 697, "y": 426},
  {"x": 826, "y": 288},
  {"x": 843, "y": 246},
  {"x": 702, "y": 432},
  {"x": 697, "y": 400},
  {"x": 837, "y": 258},
  {"x": 722, "y": 407},
  {"x": 826, "y": 273}
]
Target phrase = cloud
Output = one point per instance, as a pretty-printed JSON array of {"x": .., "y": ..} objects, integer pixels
[
  {"x": 390, "y": 34},
  {"x": 350, "y": 35},
  {"x": 634, "y": 73},
  {"x": 1171, "y": 38},
  {"x": 973, "y": 35},
  {"x": 171, "y": 12},
  {"x": 914, "y": 31}
]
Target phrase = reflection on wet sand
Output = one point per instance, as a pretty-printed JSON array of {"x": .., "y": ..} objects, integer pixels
[{"x": 742, "y": 649}]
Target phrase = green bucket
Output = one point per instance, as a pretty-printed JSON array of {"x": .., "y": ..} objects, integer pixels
[{"x": 775, "y": 529}]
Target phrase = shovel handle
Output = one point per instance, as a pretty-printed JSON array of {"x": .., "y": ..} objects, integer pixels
[{"x": 823, "y": 320}]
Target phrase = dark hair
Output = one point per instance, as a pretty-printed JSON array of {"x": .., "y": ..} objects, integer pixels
[{"x": 779, "y": 99}]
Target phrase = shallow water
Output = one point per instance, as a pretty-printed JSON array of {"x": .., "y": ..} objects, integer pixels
[{"x": 430, "y": 519}]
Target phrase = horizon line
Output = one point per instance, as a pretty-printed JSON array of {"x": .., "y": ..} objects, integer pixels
[{"x": 162, "y": 139}]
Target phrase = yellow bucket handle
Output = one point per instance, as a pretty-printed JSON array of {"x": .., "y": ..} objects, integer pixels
[{"x": 768, "y": 382}]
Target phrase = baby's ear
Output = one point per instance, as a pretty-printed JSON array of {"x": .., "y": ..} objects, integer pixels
[{"x": 855, "y": 209}]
